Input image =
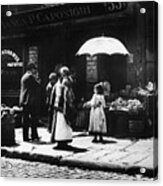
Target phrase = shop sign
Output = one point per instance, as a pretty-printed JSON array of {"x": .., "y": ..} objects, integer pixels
[
  {"x": 130, "y": 58},
  {"x": 13, "y": 64},
  {"x": 115, "y": 6},
  {"x": 33, "y": 54},
  {"x": 91, "y": 69},
  {"x": 16, "y": 62},
  {"x": 11, "y": 70},
  {"x": 62, "y": 13},
  {"x": 11, "y": 53}
]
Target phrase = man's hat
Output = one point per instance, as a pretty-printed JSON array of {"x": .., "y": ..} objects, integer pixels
[{"x": 31, "y": 66}]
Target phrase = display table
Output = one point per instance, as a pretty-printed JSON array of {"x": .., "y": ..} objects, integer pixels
[
  {"x": 120, "y": 124},
  {"x": 126, "y": 124}
]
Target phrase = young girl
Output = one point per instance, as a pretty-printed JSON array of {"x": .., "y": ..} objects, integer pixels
[{"x": 97, "y": 121}]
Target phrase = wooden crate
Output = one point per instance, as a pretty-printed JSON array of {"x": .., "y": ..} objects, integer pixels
[{"x": 136, "y": 128}]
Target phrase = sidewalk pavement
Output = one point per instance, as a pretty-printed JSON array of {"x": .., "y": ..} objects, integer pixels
[{"x": 119, "y": 155}]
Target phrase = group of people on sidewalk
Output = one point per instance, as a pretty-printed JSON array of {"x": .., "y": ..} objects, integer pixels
[{"x": 60, "y": 100}]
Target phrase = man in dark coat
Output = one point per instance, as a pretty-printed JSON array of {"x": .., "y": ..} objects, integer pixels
[
  {"x": 29, "y": 101},
  {"x": 49, "y": 87}
]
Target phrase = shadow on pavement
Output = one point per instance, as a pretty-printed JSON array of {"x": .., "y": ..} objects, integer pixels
[
  {"x": 70, "y": 148},
  {"x": 39, "y": 142},
  {"x": 108, "y": 141},
  {"x": 10, "y": 145}
]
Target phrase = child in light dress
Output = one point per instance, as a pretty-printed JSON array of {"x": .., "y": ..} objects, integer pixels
[{"x": 97, "y": 120}]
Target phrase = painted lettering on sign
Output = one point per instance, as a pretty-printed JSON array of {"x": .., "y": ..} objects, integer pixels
[
  {"x": 53, "y": 15},
  {"x": 48, "y": 16},
  {"x": 11, "y": 53},
  {"x": 91, "y": 71},
  {"x": 33, "y": 54},
  {"x": 13, "y": 64},
  {"x": 8, "y": 63},
  {"x": 115, "y": 7}
]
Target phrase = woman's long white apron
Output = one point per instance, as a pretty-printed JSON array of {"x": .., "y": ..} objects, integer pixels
[{"x": 61, "y": 131}]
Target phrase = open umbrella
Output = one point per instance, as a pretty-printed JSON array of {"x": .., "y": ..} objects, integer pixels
[{"x": 103, "y": 45}]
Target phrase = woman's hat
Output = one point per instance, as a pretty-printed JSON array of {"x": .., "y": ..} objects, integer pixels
[
  {"x": 52, "y": 75},
  {"x": 64, "y": 70}
]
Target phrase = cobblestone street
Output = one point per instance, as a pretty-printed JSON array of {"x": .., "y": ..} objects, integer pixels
[{"x": 20, "y": 168}]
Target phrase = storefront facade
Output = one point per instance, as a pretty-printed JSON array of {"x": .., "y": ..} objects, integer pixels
[{"x": 51, "y": 36}]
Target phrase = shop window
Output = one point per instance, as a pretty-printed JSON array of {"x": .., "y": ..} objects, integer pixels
[{"x": 11, "y": 70}]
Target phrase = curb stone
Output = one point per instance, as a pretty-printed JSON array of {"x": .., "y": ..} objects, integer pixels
[{"x": 58, "y": 160}]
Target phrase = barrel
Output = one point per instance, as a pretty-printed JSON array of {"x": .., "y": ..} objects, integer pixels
[
  {"x": 117, "y": 124},
  {"x": 7, "y": 129}
]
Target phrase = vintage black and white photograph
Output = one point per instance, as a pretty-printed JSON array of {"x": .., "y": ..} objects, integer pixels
[{"x": 79, "y": 90}]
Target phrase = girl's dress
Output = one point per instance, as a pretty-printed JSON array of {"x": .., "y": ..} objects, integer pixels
[{"x": 97, "y": 122}]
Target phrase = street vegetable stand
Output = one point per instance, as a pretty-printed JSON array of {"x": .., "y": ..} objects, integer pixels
[
  {"x": 128, "y": 115},
  {"x": 126, "y": 118}
]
